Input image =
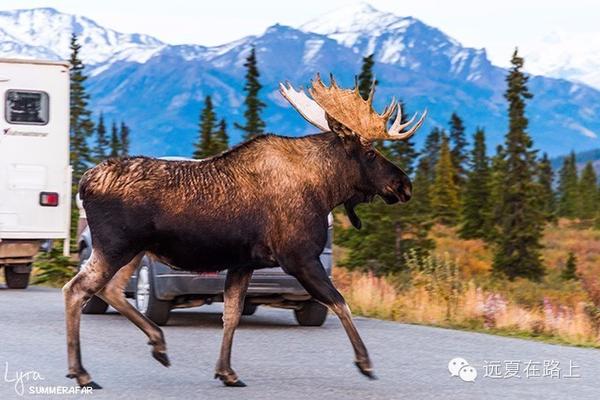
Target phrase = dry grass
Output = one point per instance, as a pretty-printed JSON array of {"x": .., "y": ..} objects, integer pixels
[
  {"x": 475, "y": 308},
  {"x": 552, "y": 310},
  {"x": 473, "y": 255}
]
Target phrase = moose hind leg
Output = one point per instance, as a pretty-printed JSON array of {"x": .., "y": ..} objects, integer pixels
[
  {"x": 236, "y": 285},
  {"x": 113, "y": 294},
  {"x": 88, "y": 281},
  {"x": 311, "y": 274}
]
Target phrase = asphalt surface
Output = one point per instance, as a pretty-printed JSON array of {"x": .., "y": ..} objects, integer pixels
[{"x": 275, "y": 357}]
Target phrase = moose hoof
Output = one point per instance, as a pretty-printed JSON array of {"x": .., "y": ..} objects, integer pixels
[
  {"x": 366, "y": 371},
  {"x": 92, "y": 385},
  {"x": 229, "y": 381},
  {"x": 162, "y": 358}
]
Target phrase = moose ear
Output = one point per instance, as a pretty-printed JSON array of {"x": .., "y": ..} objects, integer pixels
[
  {"x": 344, "y": 133},
  {"x": 349, "y": 206},
  {"x": 337, "y": 127}
]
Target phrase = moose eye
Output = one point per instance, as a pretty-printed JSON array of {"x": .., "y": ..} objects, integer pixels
[{"x": 370, "y": 155}]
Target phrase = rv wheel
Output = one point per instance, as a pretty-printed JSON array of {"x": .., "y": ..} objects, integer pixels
[{"x": 16, "y": 280}]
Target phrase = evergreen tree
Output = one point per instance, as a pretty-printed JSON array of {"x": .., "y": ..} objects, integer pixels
[
  {"x": 81, "y": 126},
  {"x": 418, "y": 209},
  {"x": 459, "y": 148},
  {"x": 402, "y": 152},
  {"x": 568, "y": 189},
  {"x": 422, "y": 184},
  {"x": 546, "y": 197},
  {"x": 125, "y": 141},
  {"x": 101, "y": 148},
  {"x": 476, "y": 214},
  {"x": 588, "y": 193},
  {"x": 520, "y": 224},
  {"x": 366, "y": 78},
  {"x": 204, "y": 146},
  {"x": 115, "y": 143},
  {"x": 570, "y": 270},
  {"x": 431, "y": 150},
  {"x": 387, "y": 236},
  {"x": 497, "y": 178},
  {"x": 220, "y": 138},
  {"x": 444, "y": 194},
  {"x": 254, "y": 124}
]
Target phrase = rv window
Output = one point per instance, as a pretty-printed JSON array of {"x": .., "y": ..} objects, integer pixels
[{"x": 26, "y": 107}]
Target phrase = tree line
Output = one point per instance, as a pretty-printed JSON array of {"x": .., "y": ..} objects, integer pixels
[{"x": 505, "y": 199}]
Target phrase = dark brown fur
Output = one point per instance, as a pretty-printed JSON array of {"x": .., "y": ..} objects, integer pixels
[{"x": 261, "y": 204}]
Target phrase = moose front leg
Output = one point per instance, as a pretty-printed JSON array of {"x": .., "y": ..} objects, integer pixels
[
  {"x": 311, "y": 274},
  {"x": 236, "y": 285},
  {"x": 77, "y": 291}
]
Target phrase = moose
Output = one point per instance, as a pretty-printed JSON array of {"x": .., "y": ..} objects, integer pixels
[{"x": 261, "y": 204}]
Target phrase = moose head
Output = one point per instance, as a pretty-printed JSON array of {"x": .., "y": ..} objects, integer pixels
[{"x": 358, "y": 125}]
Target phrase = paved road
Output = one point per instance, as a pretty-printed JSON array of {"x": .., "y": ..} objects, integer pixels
[{"x": 275, "y": 357}]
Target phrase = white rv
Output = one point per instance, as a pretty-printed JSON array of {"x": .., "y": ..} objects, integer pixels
[{"x": 35, "y": 176}]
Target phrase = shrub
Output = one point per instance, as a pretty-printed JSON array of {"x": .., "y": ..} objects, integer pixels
[{"x": 53, "y": 268}]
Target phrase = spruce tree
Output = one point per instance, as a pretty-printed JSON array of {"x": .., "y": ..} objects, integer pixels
[
  {"x": 81, "y": 126},
  {"x": 458, "y": 152},
  {"x": 444, "y": 193},
  {"x": 545, "y": 178},
  {"x": 588, "y": 193},
  {"x": 204, "y": 146},
  {"x": 125, "y": 141},
  {"x": 568, "y": 188},
  {"x": 422, "y": 184},
  {"x": 254, "y": 125},
  {"x": 115, "y": 143},
  {"x": 497, "y": 178},
  {"x": 220, "y": 141},
  {"x": 521, "y": 223},
  {"x": 385, "y": 239},
  {"x": 570, "y": 270},
  {"x": 431, "y": 150},
  {"x": 366, "y": 78},
  {"x": 476, "y": 212},
  {"x": 100, "y": 151}
]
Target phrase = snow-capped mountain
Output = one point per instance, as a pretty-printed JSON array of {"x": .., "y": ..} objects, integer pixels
[
  {"x": 400, "y": 41},
  {"x": 46, "y": 33},
  {"x": 159, "y": 88}
]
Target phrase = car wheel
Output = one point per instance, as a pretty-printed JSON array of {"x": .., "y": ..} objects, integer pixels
[
  {"x": 249, "y": 309},
  {"x": 311, "y": 313},
  {"x": 145, "y": 299},
  {"x": 95, "y": 305},
  {"x": 16, "y": 280}
]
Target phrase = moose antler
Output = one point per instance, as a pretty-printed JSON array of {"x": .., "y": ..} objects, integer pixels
[
  {"x": 351, "y": 110},
  {"x": 306, "y": 106}
]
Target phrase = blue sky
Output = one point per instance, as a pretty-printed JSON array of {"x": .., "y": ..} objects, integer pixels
[{"x": 496, "y": 25}]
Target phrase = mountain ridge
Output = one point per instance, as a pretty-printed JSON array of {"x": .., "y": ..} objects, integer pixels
[{"x": 158, "y": 89}]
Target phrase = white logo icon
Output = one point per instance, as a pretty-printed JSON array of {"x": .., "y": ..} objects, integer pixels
[{"x": 460, "y": 367}]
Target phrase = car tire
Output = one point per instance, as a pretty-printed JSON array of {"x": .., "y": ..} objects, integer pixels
[
  {"x": 156, "y": 310},
  {"x": 311, "y": 313},
  {"x": 16, "y": 280},
  {"x": 249, "y": 309},
  {"x": 95, "y": 305}
]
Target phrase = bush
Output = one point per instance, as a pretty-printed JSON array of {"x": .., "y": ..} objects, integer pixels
[
  {"x": 440, "y": 277},
  {"x": 53, "y": 268}
]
